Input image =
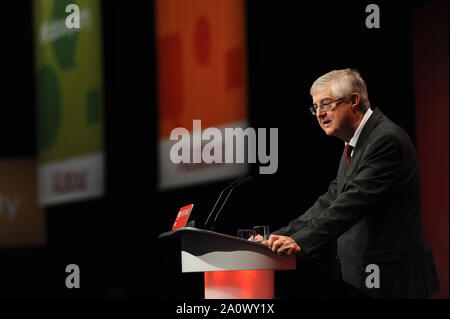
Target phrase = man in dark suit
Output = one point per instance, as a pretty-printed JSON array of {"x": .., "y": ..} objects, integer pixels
[{"x": 373, "y": 207}]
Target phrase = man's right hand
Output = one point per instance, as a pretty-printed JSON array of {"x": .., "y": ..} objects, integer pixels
[{"x": 257, "y": 238}]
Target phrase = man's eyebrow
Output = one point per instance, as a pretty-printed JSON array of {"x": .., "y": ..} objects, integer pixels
[{"x": 324, "y": 99}]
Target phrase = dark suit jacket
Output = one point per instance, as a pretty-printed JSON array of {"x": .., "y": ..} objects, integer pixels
[{"x": 374, "y": 212}]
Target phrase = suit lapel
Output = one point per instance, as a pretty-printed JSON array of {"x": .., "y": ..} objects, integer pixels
[
  {"x": 341, "y": 173},
  {"x": 368, "y": 128},
  {"x": 343, "y": 176}
]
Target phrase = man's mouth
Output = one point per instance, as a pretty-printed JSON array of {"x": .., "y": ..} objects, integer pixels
[{"x": 326, "y": 122}]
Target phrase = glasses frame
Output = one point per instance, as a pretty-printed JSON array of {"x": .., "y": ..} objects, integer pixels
[{"x": 324, "y": 106}]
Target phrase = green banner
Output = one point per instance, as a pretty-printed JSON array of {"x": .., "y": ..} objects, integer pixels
[{"x": 69, "y": 79}]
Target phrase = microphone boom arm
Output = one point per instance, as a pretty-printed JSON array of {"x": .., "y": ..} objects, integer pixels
[{"x": 220, "y": 196}]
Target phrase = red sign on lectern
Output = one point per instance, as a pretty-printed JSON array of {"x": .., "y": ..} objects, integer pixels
[{"x": 182, "y": 216}]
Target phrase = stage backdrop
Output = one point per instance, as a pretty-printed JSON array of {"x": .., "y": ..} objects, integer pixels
[
  {"x": 201, "y": 56},
  {"x": 69, "y": 101},
  {"x": 430, "y": 31},
  {"x": 22, "y": 222}
]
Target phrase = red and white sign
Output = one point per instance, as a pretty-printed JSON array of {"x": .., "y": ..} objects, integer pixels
[{"x": 182, "y": 216}]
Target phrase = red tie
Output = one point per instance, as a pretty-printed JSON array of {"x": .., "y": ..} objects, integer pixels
[{"x": 348, "y": 154}]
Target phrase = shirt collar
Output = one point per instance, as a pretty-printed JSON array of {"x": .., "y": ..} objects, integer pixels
[{"x": 355, "y": 137}]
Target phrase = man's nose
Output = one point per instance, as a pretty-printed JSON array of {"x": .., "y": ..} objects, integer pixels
[{"x": 320, "y": 113}]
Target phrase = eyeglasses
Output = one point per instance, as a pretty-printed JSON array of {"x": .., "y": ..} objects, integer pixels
[{"x": 324, "y": 106}]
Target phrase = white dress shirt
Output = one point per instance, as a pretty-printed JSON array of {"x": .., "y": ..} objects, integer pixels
[{"x": 355, "y": 137}]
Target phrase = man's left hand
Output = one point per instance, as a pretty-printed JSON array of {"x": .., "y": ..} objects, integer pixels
[{"x": 283, "y": 245}]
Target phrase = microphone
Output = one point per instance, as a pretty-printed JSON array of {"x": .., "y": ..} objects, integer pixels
[
  {"x": 220, "y": 196},
  {"x": 230, "y": 187}
]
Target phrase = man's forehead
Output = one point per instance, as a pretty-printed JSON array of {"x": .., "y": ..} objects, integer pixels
[{"x": 322, "y": 93}]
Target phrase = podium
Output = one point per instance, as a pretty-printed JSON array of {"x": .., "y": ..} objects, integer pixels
[{"x": 234, "y": 268}]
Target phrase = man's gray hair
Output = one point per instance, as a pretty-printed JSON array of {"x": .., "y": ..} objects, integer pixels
[{"x": 344, "y": 82}]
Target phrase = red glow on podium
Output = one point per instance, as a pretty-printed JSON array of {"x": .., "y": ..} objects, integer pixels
[{"x": 239, "y": 284}]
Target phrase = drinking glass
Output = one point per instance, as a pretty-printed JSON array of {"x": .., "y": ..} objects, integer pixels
[
  {"x": 246, "y": 234},
  {"x": 263, "y": 231}
]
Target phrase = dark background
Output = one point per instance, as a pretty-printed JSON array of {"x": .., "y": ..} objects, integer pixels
[{"x": 114, "y": 239}]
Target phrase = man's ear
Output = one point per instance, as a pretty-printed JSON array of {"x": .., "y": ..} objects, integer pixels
[{"x": 355, "y": 99}]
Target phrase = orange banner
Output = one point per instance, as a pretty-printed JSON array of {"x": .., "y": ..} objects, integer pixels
[
  {"x": 202, "y": 71},
  {"x": 22, "y": 222}
]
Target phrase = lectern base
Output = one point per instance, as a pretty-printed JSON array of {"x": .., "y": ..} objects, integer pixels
[{"x": 239, "y": 284}]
